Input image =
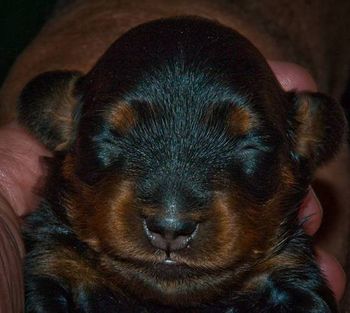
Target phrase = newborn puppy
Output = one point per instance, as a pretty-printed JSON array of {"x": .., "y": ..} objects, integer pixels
[{"x": 180, "y": 164}]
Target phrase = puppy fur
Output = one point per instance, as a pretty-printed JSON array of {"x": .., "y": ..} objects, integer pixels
[{"x": 180, "y": 117}]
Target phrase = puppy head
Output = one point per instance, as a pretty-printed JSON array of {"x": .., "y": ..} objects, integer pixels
[{"x": 182, "y": 155}]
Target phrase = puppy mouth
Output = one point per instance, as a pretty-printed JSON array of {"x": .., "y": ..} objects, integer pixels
[
  {"x": 170, "y": 270},
  {"x": 169, "y": 261},
  {"x": 168, "y": 267},
  {"x": 173, "y": 282}
]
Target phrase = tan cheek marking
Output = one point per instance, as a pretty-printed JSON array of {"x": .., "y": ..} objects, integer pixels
[
  {"x": 228, "y": 226},
  {"x": 242, "y": 233},
  {"x": 105, "y": 216},
  {"x": 271, "y": 262},
  {"x": 254, "y": 228},
  {"x": 117, "y": 221},
  {"x": 222, "y": 246},
  {"x": 115, "y": 224},
  {"x": 123, "y": 117},
  {"x": 240, "y": 121},
  {"x": 115, "y": 215}
]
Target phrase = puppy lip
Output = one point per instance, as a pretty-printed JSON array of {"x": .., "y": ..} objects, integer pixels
[
  {"x": 169, "y": 261},
  {"x": 170, "y": 269},
  {"x": 166, "y": 261}
]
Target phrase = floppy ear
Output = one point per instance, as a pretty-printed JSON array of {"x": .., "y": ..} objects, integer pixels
[
  {"x": 318, "y": 127},
  {"x": 48, "y": 107}
]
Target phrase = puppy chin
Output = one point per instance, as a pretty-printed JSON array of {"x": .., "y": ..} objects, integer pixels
[
  {"x": 188, "y": 291},
  {"x": 173, "y": 283}
]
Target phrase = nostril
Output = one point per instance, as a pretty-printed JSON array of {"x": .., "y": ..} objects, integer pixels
[
  {"x": 187, "y": 228},
  {"x": 170, "y": 234},
  {"x": 155, "y": 226}
]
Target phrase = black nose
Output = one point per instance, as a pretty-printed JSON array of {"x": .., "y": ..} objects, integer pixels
[{"x": 170, "y": 234}]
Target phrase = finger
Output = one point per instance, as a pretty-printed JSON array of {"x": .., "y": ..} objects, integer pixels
[
  {"x": 20, "y": 167},
  {"x": 310, "y": 213},
  {"x": 333, "y": 272},
  {"x": 292, "y": 76}
]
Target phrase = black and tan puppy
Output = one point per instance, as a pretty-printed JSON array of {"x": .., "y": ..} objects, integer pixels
[{"x": 180, "y": 165}]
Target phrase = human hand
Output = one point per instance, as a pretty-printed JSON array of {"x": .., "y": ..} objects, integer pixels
[
  {"x": 294, "y": 77},
  {"x": 21, "y": 171}
]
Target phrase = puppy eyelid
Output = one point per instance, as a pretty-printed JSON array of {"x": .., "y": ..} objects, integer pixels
[
  {"x": 252, "y": 147},
  {"x": 259, "y": 143}
]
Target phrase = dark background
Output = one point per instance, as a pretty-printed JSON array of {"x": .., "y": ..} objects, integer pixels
[{"x": 20, "y": 20}]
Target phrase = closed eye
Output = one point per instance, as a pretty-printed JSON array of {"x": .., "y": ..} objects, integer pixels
[
  {"x": 259, "y": 143},
  {"x": 256, "y": 149}
]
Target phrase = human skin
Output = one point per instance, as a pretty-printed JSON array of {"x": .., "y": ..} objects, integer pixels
[{"x": 22, "y": 172}]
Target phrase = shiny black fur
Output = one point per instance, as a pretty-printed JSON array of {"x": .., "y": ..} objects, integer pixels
[{"x": 183, "y": 67}]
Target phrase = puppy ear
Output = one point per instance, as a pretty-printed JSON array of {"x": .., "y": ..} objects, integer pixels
[
  {"x": 318, "y": 127},
  {"x": 49, "y": 107}
]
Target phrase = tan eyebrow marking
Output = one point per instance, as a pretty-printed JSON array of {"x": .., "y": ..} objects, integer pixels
[
  {"x": 123, "y": 117},
  {"x": 240, "y": 121}
]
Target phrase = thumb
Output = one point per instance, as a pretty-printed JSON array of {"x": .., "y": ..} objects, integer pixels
[{"x": 21, "y": 168}]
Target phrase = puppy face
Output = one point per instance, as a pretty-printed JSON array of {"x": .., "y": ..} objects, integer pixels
[{"x": 185, "y": 161}]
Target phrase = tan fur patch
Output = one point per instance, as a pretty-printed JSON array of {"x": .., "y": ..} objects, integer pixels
[
  {"x": 109, "y": 219},
  {"x": 240, "y": 121},
  {"x": 122, "y": 117}
]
